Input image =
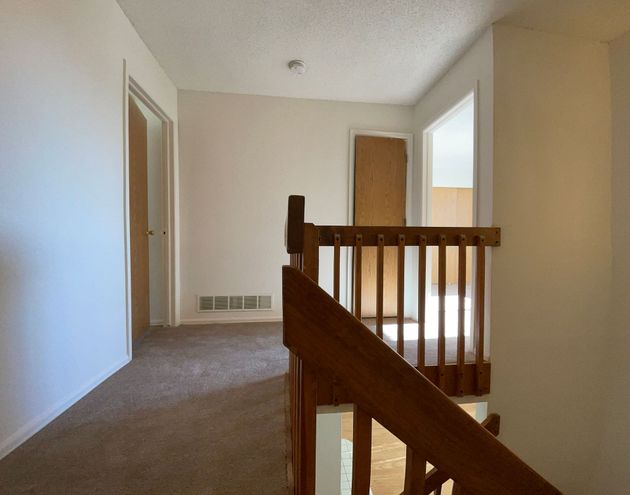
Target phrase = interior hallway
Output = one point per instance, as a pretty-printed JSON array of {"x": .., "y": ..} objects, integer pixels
[{"x": 199, "y": 410}]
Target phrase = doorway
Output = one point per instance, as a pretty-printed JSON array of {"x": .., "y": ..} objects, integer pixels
[
  {"x": 450, "y": 201},
  {"x": 380, "y": 190},
  {"x": 149, "y": 218}
]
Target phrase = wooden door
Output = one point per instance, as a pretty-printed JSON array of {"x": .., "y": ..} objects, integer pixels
[
  {"x": 380, "y": 186},
  {"x": 451, "y": 207},
  {"x": 139, "y": 218}
]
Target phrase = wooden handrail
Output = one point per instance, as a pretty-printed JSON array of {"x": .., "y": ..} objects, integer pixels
[
  {"x": 436, "y": 478},
  {"x": 328, "y": 339},
  {"x": 348, "y": 234}
]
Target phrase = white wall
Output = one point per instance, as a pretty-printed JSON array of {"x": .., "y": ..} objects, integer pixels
[
  {"x": 242, "y": 156},
  {"x": 473, "y": 70},
  {"x": 552, "y": 273},
  {"x": 62, "y": 282},
  {"x": 612, "y": 471},
  {"x": 328, "y": 452}
]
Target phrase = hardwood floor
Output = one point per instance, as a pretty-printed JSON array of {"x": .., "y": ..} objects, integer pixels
[{"x": 388, "y": 455}]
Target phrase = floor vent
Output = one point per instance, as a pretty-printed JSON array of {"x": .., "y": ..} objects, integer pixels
[{"x": 208, "y": 304}]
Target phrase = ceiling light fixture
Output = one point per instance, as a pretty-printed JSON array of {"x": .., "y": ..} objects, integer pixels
[{"x": 297, "y": 67}]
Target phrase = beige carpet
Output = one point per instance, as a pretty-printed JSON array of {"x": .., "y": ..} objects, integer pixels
[{"x": 200, "y": 410}]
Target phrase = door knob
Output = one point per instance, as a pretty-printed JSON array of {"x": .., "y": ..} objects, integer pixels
[{"x": 149, "y": 232}]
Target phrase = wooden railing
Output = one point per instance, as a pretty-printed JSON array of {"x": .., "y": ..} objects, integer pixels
[
  {"x": 325, "y": 339},
  {"x": 461, "y": 377},
  {"x": 335, "y": 358}
]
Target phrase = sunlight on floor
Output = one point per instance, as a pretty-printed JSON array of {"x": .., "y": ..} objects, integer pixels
[{"x": 390, "y": 330}]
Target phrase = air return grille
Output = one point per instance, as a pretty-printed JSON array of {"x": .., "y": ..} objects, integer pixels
[{"x": 207, "y": 304}]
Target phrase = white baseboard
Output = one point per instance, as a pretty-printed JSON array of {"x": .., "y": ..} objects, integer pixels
[
  {"x": 33, "y": 426},
  {"x": 236, "y": 319}
]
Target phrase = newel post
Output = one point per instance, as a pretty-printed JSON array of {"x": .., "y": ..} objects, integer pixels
[{"x": 294, "y": 228}]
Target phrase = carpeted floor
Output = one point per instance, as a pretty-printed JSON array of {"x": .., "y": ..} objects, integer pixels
[{"x": 200, "y": 410}]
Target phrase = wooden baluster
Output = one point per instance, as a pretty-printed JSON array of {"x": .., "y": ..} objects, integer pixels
[
  {"x": 400, "y": 307},
  {"x": 480, "y": 312},
  {"x": 294, "y": 390},
  {"x": 380, "y": 256},
  {"x": 295, "y": 260},
  {"x": 442, "y": 312},
  {"x": 457, "y": 489},
  {"x": 361, "y": 451},
  {"x": 336, "y": 264},
  {"x": 422, "y": 300},
  {"x": 461, "y": 315},
  {"x": 310, "y": 259},
  {"x": 357, "y": 275},
  {"x": 415, "y": 472},
  {"x": 308, "y": 431}
]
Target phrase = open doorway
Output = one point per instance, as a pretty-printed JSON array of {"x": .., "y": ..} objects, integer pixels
[
  {"x": 149, "y": 219},
  {"x": 450, "y": 201}
]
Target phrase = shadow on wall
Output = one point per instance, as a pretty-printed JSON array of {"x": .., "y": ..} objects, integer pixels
[{"x": 13, "y": 335}]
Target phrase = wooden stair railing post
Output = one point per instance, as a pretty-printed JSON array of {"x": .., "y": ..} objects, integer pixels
[
  {"x": 400, "y": 296},
  {"x": 358, "y": 271},
  {"x": 415, "y": 472},
  {"x": 422, "y": 300},
  {"x": 336, "y": 266},
  {"x": 307, "y": 424},
  {"x": 380, "y": 260},
  {"x": 308, "y": 386},
  {"x": 480, "y": 312},
  {"x": 461, "y": 314},
  {"x": 311, "y": 252},
  {"x": 294, "y": 242},
  {"x": 294, "y": 230},
  {"x": 361, "y": 451},
  {"x": 441, "y": 344}
]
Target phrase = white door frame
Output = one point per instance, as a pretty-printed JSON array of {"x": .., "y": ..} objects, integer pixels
[
  {"x": 427, "y": 153},
  {"x": 408, "y": 137},
  {"x": 131, "y": 87}
]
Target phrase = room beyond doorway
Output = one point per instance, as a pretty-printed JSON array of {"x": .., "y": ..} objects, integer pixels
[{"x": 449, "y": 199}]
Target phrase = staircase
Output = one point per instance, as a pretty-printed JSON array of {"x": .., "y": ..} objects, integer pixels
[{"x": 335, "y": 358}]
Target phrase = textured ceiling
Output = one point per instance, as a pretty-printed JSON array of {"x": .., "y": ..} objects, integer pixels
[
  {"x": 387, "y": 51},
  {"x": 601, "y": 20}
]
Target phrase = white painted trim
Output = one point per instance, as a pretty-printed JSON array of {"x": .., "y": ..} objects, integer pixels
[
  {"x": 40, "y": 421},
  {"x": 239, "y": 319},
  {"x": 408, "y": 137},
  {"x": 171, "y": 199},
  {"x": 126, "y": 221}
]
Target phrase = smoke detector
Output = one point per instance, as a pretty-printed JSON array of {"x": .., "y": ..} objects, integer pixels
[{"x": 297, "y": 67}]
